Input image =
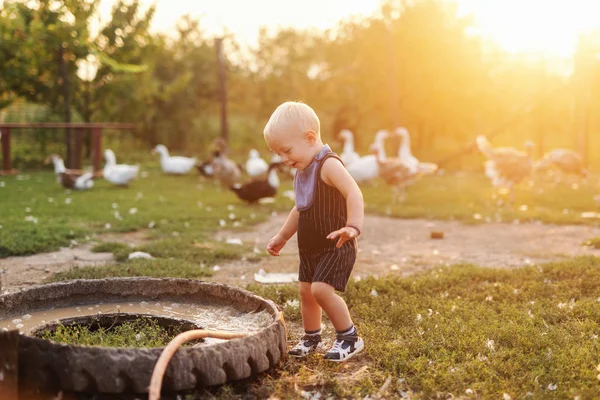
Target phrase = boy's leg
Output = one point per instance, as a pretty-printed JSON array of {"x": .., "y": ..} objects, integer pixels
[
  {"x": 347, "y": 343},
  {"x": 309, "y": 307},
  {"x": 311, "y": 321},
  {"x": 334, "y": 306}
]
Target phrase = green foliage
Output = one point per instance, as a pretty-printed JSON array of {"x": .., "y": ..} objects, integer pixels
[
  {"x": 140, "y": 333},
  {"x": 415, "y": 64}
]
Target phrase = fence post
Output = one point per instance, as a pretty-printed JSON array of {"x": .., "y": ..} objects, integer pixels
[
  {"x": 96, "y": 149},
  {"x": 5, "y": 151},
  {"x": 77, "y": 148}
]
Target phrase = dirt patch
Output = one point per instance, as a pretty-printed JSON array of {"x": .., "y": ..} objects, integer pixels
[
  {"x": 387, "y": 246},
  {"x": 404, "y": 246},
  {"x": 19, "y": 272}
]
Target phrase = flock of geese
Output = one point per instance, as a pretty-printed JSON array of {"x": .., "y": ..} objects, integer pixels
[
  {"x": 506, "y": 167},
  {"x": 398, "y": 172}
]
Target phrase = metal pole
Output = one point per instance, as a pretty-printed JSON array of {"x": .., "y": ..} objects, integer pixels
[
  {"x": 222, "y": 88},
  {"x": 5, "y": 150}
]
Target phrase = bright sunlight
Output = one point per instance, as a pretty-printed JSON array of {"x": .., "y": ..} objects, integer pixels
[
  {"x": 546, "y": 27},
  {"x": 549, "y": 28}
]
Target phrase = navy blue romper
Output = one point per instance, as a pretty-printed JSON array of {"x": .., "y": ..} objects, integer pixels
[{"x": 322, "y": 211}]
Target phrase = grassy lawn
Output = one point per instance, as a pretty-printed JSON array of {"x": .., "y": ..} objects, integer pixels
[
  {"x": 38, "y": 215},
  {"x": 459, "y": 331},
  {"x": 470, "y": 198}
]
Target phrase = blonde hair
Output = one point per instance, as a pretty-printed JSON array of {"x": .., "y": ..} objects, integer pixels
[{"x": 295, "y": 116}]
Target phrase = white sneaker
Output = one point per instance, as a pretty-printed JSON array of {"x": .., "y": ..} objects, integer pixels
[
  {"x": 344, "y": 348},
  {"x": 305, "y": 346}
]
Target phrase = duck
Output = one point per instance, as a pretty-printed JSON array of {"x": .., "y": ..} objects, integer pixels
[
  {"x": 348, "y": 155},
  {"x": 118, "y": 174},
  {"x": 206, "y": 169},
  {"x": 176, "y": 165},
  {"x": 566, "y": 161},
  {"x": 59, "y": 166},
  {"x": 405, "y": 154},
  {"x": 506, "y": 166},
  {"x": 255, "y": 190},
  {"x": 366, "y": 168},
  {"x": 256, "y": 167},
  {"x": 70, "y": 179}
]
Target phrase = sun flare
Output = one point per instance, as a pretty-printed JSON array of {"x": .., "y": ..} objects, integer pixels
[{"x": 544, "y": 27}]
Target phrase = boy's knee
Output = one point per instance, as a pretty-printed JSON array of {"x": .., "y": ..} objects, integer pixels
[
  {"x": 321, "y": 290},
  {"x": 305, "y": 291}
]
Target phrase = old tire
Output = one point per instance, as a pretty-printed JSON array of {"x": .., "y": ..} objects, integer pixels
[{"x": 54, "y": 366}]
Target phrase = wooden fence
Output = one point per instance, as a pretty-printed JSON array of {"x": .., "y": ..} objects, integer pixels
[{"x": 79, "y": 129}]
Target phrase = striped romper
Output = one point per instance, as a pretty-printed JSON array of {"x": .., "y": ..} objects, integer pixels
[{"x": 322, "y": 210}]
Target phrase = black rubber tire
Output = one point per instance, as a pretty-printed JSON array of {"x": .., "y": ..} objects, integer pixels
[{"x": 53, "y": 366}]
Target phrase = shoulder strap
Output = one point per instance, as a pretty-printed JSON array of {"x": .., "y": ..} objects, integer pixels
[{"x": 328, "y": 155}]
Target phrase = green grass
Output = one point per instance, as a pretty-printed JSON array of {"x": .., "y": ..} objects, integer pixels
[
  {"x": 543, "y": 320},
  {"x": 38, "y": 215},
  {"x": 530, "y": 333},
  {"x": 593, "y": 242},
  {"x": 160, "y": 268},
  {"x": 140, "y": 333},
  {"x": 35, "y": 216},
  {"x": 469, "y": 197}
]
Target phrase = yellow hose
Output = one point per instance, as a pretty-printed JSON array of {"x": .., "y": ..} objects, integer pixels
[{"x": 169, "y": 351}]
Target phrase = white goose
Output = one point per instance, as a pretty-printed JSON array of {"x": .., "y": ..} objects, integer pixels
[
  {"x": 118, "y": 174},
  {"x": 348, "y": 155},
  {"x": 177, "y": 165},
  {"x": 405, "y": 154},
  {"x": 366, "y": 168},
  {"x": 256, "y": 167}
]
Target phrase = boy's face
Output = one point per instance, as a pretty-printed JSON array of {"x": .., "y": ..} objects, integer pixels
[{"x": 296, "y": 150}]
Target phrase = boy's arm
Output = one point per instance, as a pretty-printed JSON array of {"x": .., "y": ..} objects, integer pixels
[
  {"x": 290, "y": 226},
  {"x": 335, "y": 174}
]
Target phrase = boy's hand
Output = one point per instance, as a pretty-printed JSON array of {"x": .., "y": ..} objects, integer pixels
[
  {"x": 344, "y": 234},
  {"x": 275, "y": 245}
]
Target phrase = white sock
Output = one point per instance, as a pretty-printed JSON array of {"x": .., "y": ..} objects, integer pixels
[{"x": 350, "y": 331}]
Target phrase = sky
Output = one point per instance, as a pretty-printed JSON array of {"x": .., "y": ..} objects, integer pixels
[
  {"x": 520, "y": 26},
  {"x": 244, "y": 17},
  {"x": 548, "y": 27}
]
